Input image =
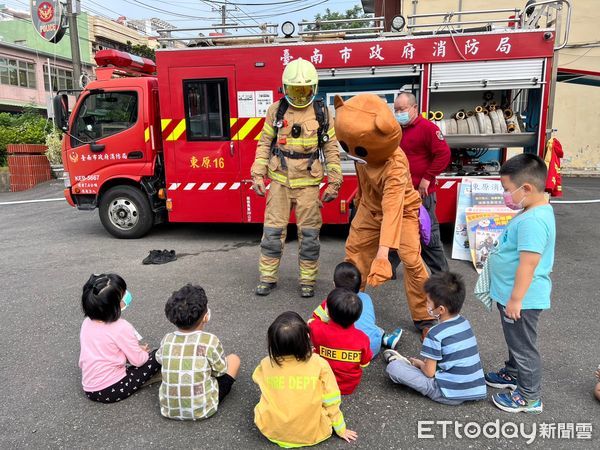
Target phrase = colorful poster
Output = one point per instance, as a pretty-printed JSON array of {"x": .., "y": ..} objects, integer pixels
[
  {"x": 484, "y": 227},
  {"x": 460, "y": 244}
]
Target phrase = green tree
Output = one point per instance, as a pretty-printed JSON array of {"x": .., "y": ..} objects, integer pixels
[
  {"x": 141, "y": 50},
  {"x": 354, "y": 13}
]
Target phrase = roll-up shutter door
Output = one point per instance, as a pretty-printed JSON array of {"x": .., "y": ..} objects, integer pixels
[
  {"x": 484, "y": 75},
  {"x": 370, "y": 72}
]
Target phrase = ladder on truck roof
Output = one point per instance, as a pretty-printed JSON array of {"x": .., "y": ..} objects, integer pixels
[{"x": 536, "y": 14}]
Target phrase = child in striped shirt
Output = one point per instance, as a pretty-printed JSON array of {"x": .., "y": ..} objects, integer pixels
[{"x": 451, "y": 371}]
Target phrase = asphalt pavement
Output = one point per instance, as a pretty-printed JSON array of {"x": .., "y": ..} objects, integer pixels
[{"x": 48, "y": 250}]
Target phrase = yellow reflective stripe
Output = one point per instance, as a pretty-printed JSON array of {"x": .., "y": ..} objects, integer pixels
[
  {"x": 296, "y": 182},
  {"x": 322, "y": 314},
  {"x": 332, "y": 167},
  {"x": 147, "y": 134},
  {"x": 268, "y": 130},
  {"x": 304, "y": 182},
  {"x": 308, "y": 273},
  {"x": 290, "y": 445},
  {"x": 164, "y": 123},
  {"x": 340, "y": 424},
  {"x": 232, "y": 121},
  {"x": 246, "y": 129},
  {"x": 301, "y": 141},
  {"x": 363, "y": 366},
  {"x": 261, "y": 161},
  {"x": 332, "y": 398},
  {"x": 277, "y": 177},
  {"x": 331, "y": 132},
  {"x": 258, "y": 136},
  {"x": 180, "y": 128}
]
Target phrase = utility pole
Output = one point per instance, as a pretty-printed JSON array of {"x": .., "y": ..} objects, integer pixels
[
  {"x": 74, "y": 34},
  {"x": 223, "y": 10}
]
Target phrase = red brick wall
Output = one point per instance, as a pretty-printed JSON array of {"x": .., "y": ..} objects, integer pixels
[{"x": 27, "y": 165}]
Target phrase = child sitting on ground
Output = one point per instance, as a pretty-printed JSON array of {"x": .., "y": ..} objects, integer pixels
[
  {"x": 300, "y": 399},
  {"x": 346, "y": 275},
  {"x": 520, "y": 269},
  {"x": 346, "y": 349},
  {"x": 451, "y": 372},
  {"x": 109, "y": 342},
  {"x": 196, "y": 374}
]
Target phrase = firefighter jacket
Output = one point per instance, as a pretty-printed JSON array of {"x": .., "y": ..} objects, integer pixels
[{"x": 297, "y": 169}]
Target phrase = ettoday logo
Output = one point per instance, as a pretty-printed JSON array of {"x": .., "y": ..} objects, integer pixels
[{"x": 443, "y": 429}]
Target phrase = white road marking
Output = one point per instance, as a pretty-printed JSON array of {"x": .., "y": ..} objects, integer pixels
[{"x": 43, "y": 200}]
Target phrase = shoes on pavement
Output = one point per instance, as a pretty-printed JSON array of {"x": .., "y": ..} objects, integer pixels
[
  {"x": 501, "y": 380},
  {"x": 160, "y": 257},
  {"x": 307, "y": 290},
  {"x": 390, "y": 340},
  {"x": 514, "y": 402},
  {"x": 390, "y": 355},
  {"x": 151, "y": 256},
  {"x": 264, "y": 288}
]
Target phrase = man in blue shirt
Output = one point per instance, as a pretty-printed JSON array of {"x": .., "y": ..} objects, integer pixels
[
  {"x": 451, "y": 371},
  {"x": 520, "y": 283}
]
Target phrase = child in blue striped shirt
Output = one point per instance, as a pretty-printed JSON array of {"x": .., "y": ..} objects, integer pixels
[{"x": 451, "y": 371}]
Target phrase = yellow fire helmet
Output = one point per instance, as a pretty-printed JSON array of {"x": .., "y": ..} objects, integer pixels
[{"x": 300, "y": 83}]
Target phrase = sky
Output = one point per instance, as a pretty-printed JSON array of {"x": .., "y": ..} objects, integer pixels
[{"x": 198, "y": 13}]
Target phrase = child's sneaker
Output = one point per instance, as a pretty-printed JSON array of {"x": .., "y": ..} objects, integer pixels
[
  {"x": 514, "y": 402},
  {"x": 390, "y": 340},
  {"x": 501, "y": 380},
  {"x": 390, "y": 355}
]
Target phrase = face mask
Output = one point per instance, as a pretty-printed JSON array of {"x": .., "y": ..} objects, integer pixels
[
  {"x": 126, "y": 299},
  {"x": 403, "y": 118},
  {"x": 435, "y": 316},
  {"x": 509, "y": 202}
]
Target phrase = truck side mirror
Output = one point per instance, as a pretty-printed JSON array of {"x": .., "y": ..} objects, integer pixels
[{"x": 60, "y": 104}]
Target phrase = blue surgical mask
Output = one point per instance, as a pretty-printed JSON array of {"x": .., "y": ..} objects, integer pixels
[
  {"x": 403, "y": 118},
  {"x": 127, "y": 297}
]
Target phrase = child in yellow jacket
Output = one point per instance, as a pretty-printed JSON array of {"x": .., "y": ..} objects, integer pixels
[{"x": 300, "y": 399}]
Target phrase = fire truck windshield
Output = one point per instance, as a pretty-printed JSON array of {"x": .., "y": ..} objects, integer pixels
[{"x": 103, "y": 114}]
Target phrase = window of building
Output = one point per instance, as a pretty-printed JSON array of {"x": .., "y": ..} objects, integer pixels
[
  {"x": 207, "y": 109},
  {"x": 62, "y": 79},
  {"x": 15, "y": 72},
  {"x": 104, "y": 114}
]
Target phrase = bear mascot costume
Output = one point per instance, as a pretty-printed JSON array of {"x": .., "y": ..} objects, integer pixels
[{"x": 387, "y": 205}]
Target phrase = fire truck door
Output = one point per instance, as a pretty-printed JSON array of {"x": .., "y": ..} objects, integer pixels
[{"x": 204, "y": 178}]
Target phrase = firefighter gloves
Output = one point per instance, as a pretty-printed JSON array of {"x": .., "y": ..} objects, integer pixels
[{"x": 258, "y": 186}]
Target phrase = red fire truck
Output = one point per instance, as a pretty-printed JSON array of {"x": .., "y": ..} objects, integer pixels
[{"x": 175, "y": 141}]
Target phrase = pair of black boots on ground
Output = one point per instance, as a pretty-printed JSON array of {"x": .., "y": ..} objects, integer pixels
[{"x": 160, "y": 257}]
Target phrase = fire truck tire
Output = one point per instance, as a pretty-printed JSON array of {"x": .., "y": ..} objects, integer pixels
[{"x": 125, "y": 212}]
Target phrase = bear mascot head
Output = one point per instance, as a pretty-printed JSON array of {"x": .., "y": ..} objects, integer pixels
[{"x": 366, "y": 128}]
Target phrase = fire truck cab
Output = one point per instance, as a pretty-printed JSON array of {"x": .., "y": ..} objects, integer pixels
[{"x": 174, "y": 141}]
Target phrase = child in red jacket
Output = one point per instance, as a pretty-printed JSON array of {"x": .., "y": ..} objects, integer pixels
[{"x": 346, "y": 349}]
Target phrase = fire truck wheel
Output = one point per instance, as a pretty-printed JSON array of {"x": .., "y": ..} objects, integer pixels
[{"x": 125, "y": 212}]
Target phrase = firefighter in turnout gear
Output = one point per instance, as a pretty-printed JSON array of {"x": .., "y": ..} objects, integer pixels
[{"x": 296, "y": 149}]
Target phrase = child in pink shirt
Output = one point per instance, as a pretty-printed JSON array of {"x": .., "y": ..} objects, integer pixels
[{"x": 109, "y": 342}]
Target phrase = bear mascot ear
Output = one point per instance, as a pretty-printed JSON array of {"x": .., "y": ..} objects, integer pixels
[
  {"x": 338, "y": 102},
  {"x": 386, "y": 123}
]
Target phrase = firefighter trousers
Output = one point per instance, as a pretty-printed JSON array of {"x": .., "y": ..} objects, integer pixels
[
  {"x": 362, "y": 246},
  {"x": 280, "y": 201}
]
